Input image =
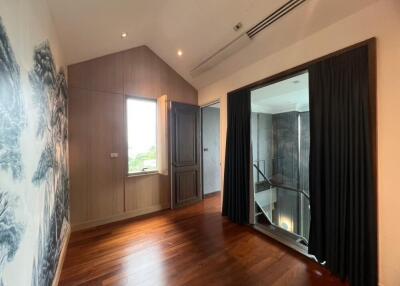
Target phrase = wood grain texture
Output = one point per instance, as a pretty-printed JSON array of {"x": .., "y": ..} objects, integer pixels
[
  {"x": 185, "y": 154},
  {"x": 95, "y": 131},
  {"x": 105, "y": 174},
  {"x": 148, "y": 191},
  {"x": 147, "y": 75},
  {"x": 103, "y": 74},
  {"x": 188, "y": 246},
  {"x": 100, "y": 191},
  {"x": 78, "y": 143}
]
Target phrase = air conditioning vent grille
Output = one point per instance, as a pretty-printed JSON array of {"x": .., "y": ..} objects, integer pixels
[
  {"x": 279, "y": 13},
  {"x": 244, "y": 39}
]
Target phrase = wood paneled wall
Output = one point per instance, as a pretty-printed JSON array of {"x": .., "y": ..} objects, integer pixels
[{"x": 101, "y": 191}]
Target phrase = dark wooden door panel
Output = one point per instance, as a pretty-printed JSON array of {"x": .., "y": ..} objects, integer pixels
[
  {"x": 185, "y": 134},
  {"x": 185, "y": 154},
  {"x": 186, "y": 186}
]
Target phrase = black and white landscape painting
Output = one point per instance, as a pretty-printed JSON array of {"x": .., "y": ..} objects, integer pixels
[
  {"x": 34, "y": 214},
  {"x": 50, "y": 98},
  {"x": 11, "y": 124}
]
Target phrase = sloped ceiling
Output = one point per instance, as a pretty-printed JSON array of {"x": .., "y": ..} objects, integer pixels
[{"x": 92, "y": 28}]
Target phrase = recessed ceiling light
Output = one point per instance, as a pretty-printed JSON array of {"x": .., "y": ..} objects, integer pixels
[
  {"x": 124, "y": 35},
  {"x": 180, "y": 53}
]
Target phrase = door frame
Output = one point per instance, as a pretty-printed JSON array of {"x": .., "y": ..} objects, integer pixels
[{"x": 202, "y": 145}]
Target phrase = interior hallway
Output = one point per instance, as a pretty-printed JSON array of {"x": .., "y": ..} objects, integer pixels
[{"x": 189, "y": 246}]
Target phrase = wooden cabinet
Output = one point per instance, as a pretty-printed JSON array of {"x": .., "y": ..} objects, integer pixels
[
  {"x": 78, "y": 138},
  {"x": 96, "y": 131},
  {"x": 105, "y": 174},
  {"x": 100, "y": 190}
]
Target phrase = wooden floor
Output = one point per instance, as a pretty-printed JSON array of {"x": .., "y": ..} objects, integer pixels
[{"x": 190, "y": 246}]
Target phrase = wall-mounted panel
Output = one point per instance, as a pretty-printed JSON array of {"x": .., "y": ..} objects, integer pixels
[
  {"x": 105, "y": 174},
  {"x": 141, "y": 73},
  {"x": 78, "y": 152},
  {"x": 101, "y": 192},
  {"x": 146, "y": 75},
  {"x": 103, "y": 74},
  {"x": 147, "y": 193}
]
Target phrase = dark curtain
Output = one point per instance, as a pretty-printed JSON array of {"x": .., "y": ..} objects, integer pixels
[
  {"x": 342, "y": 188},
  {"x": 237, "y": 158}
]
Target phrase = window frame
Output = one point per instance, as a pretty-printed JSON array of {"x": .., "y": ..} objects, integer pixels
[{"x": 147, "y": 172}]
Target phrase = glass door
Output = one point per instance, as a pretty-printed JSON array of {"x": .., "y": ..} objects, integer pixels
[{"x": 280, "y": 144}]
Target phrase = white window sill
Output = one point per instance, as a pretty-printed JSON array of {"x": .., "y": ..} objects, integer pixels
[{"x": 139, "y": 174}]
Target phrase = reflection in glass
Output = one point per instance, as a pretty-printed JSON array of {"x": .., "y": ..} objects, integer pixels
[{"x": 280, "y": 145}]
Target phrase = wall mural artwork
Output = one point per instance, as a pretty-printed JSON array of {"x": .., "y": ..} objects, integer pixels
[
  {"x": 12, "y": 119},
  {"x": 11, "y": 124},
  {"x": 50, "y": 97},
  {"x": 49, "y": 179}
]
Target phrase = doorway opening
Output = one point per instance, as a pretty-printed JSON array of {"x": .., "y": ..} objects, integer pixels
[
  {"x": 280, "y": 135},
  {"x": 211, "y": 153}
]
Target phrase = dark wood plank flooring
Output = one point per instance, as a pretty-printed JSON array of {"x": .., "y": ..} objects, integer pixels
[{"x": 189, "y": 246}]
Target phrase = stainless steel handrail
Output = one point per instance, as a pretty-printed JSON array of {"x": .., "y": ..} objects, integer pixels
[
  {"x": 281, "y": 186},
  {"x": 289, "y": 189}
]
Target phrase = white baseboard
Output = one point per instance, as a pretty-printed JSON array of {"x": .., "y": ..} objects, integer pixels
[
  {"x": 62, "y": 257},
  {"x": 119, "y": 217}
]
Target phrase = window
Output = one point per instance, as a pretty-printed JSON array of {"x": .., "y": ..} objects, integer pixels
[{"x": 142, "y": 135}]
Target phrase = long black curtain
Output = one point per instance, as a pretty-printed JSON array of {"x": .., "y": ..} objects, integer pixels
[
  {"x": 342, "y": 186},
  {"x": 237, "y": 158}
]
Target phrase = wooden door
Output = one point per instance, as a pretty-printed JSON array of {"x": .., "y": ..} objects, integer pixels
[{"x": 185, "y": 154}]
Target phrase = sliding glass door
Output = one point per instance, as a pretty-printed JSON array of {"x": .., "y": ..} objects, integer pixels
[{"x": 280, "y": 136}]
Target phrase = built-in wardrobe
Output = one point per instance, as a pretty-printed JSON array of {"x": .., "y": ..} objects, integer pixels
[{"x": 101, "y": 190}]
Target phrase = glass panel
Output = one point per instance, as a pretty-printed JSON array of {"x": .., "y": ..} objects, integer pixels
[
  {"x": 142, "y": 130},
  {"x": 281, "y": 143},
  {"x": 286, "y": 209}
]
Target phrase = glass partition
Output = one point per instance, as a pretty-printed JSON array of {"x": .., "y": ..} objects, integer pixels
[{"x": 280, "y": 144}]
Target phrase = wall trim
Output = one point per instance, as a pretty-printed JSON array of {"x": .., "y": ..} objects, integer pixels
[
  {"x": 119, "y": 217},
  {"x": 62, "y": 257}
]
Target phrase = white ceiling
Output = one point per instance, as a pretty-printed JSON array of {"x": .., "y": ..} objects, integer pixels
[
  {"x": 283, "y": 96},
  {"x": 92, "y": 28}
]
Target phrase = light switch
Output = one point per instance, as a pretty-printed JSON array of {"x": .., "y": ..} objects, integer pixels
[{"x": 114, "y": 155}]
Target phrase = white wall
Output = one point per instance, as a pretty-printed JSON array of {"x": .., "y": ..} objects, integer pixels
[
  {"x": 28, "y": 25},
  {"x": 380, "y": 20},
  {"x": 211, "y": 157}
]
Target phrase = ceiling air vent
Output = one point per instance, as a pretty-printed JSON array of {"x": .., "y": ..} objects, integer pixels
[
  {"x": 279, "y": 13},
  {"x": 223, "y": 53},
  {"x": 245, "y": 38}
]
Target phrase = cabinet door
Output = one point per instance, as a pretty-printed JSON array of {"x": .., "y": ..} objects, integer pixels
[
  {"x": 78, "y": 106},
  {"x": 105, "y": 172}
]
